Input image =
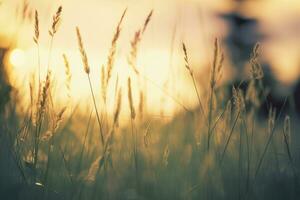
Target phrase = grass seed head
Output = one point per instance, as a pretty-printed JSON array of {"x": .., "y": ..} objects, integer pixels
[
  {"x": 186, "y": 59},
  {"x": 112, "y": 51},
  {"x": 56, "y": 21},
  {"x": 82, "y": 52},
  {"x": 256, "y": 69},
  {"x": 118, "y": 107},
  {"x": 238, "y": 99},
  {"x": 141, "y": 104},
  {"x": 147, "y": 21},
  {"x": 68, "y": 74},
  {"x": 45, "y": 91},
  {"x": 131, "y": 106},
  {"x": 218, "y": 59},
  {"x": 287, "y": 129},
  {"x": 36, "y": 28},
  {"x": 132, "y": 58},
  {"x": 59, "y": 118}
]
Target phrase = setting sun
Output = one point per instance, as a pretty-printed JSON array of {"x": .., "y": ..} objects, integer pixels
[{"x": 17, "y": 58}]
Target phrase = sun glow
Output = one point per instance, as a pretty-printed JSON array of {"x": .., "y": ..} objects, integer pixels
[
  {"x": 159, "y": 58},
  {"x": 17, "y": 58}
]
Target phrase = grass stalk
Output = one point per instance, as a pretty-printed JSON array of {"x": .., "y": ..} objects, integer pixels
[
  {"x": 229, "y": 137},
  {"x": 96, "y": 110}
]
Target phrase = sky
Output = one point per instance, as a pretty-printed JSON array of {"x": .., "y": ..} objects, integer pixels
[{"x": 160, "y": 57}]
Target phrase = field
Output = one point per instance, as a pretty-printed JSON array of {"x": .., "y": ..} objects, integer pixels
[{"x": 224, "y": 148}]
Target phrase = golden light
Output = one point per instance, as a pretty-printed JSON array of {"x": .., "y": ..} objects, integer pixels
[
  {"x": 17, "y": 58},
  {"x": 160, "y": 56}
]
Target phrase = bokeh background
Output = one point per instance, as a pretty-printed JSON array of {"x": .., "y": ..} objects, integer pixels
[
  {"x": 54, "y": 145},
  {"x": 238, "y": 25}
]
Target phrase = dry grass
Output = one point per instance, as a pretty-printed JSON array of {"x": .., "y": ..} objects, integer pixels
[
  {"x": 130, "y": 100},
  {"x": 56, "y": 21},
  {"x": 132, "y": 58},
  {"x": 220, "y": 150},
  {"x": 68, "y": 74}
]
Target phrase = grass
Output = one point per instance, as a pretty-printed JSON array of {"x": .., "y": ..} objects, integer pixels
[{"x": 221, "y": 150}]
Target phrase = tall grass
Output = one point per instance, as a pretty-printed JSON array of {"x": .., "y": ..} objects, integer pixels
[{"x": 220, "y": 150}]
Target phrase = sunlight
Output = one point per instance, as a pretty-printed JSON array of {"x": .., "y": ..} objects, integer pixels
[
  {"x": 149, "y": 99},
  {"x": 159, "y": 56},
  {"x": 17, "y": 58}
]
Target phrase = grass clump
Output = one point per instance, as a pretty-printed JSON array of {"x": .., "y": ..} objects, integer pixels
[{"x": 220, "y": 150}]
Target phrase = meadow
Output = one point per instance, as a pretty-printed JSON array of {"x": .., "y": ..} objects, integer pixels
[{"x": 222, "y": 149}]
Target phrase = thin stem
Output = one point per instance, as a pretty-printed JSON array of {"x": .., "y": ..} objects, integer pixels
[
  {"x": 230, "y": 134},
  {"x": 50, "y": 52},
  {"x": 269, "y": 141},
  {"x": 51, "y": 143},
  {"x": 217, "y": 120},
  {"x": 84, "y": 142},
  {"x": 209, "y": 118},
  {"x": 37, "y": 138},
  {"x": 198, "y": 95},
  {"x": 15, "y": 156},
  {"x": 39, "y": 71},
  {"x": 265, "y": 149},
  {"x": 97, "y": 114},
  {"x": 39, "y": 68},
  {"x": 248, "y": 151},
  {"x": 67, "y": 167},
  {"x": 134, "y": 138}
]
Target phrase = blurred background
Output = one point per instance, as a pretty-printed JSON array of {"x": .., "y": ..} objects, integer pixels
[
  {"x": 168, "y": 93},
  {"x": 239, "y": 24}
]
